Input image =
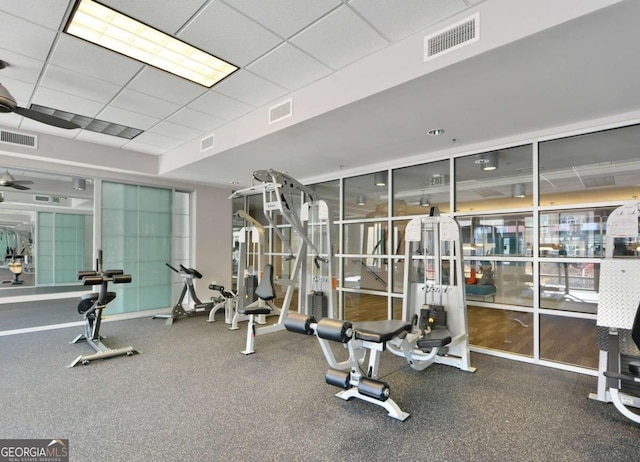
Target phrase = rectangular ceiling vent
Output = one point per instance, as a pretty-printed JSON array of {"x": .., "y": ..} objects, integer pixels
[
  {"x": 453, "y": 37},
  {"x": 280, "y": 111},
  {"x": 41, "y": 198},
  {"x": 207, "y": 143},
  {"x": 18, "y": 139}
]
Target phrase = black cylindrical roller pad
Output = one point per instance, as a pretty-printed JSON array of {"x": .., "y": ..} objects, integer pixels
[
  {"x": 334, "y": 329},
  {"x": 121, "y": 278},
  {"x": 339, "y": 379},
  {"x": 374, "y": 388},
  {"x": 299, "y": 323}
]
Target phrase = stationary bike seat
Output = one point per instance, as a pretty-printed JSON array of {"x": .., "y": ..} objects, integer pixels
[{"x": 89, "y": 299}]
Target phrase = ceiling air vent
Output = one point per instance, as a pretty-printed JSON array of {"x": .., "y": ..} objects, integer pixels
[
  {"x": 453, "y": 37},
  {"x": 280, "y": 111},
  {"x": 41, "y": 198},
  {"x": 207, "y": 143},
  {"x": 18, "y": 139}
]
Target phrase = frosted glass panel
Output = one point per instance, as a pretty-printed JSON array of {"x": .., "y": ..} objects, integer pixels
[
  {"x": 181, "y": 248},
  {"x": 181, "y": 203},
  {"x": 155, "y": 224},
  {"x": 119, "y": 196},
  {"x": 155, "y": 200},
  {"x": 181, "y": 223}
]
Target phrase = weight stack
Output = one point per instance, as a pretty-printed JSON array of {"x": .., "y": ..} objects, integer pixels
[
  {"x": 317, "y": 304},
  {"x": 250, "y": 285}
]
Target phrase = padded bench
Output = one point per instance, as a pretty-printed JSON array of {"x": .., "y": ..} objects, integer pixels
[
  {"x": 483, "y": 291},
  {"x": 380, "y": 331}
]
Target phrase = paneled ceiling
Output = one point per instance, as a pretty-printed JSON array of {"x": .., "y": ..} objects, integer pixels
[{"x": 581, "y": 65}]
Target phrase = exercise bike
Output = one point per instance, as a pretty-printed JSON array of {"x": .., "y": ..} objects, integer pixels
[
  {"x": 178, "y": 310},
  {"x": 91, "y": 306}
]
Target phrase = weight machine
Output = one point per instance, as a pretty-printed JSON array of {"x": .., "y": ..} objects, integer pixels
[
  {"x": 618, "y": 320},
  {"x": 433, "y": 328},
  {"x": 282, "y": 197}
]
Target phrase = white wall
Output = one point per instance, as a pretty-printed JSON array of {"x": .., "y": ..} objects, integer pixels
[{"x": 211, "y": 238}]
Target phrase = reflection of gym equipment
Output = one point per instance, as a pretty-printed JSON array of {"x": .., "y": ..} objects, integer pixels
[
  {"x": 91, "y": 306},
  {"x": 178, "y": 310},
  {"x": 15, "y": 264},
  {"x": 312, "y": 224},
  {"x": 618, "y": 321},
  {"x": 429, "y": 332}
]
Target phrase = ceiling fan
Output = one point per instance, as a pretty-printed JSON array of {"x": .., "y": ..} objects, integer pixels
[
  {"x": 9, "y": 181},
  {"x": 8, "y": 104}
]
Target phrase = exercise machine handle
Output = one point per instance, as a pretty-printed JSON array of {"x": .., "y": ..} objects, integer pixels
[
  {"x": 93, "y": 280},
  {"x": 112, "y": 272},
  {"x": 84, "y": 274},
  {"x": 121, "y": 278},
  {"x": 172, "y": 267}
]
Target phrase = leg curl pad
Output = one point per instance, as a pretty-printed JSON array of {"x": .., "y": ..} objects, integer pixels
[
  {"x": 299, "y": 323},
  {"x": 335, "y": 330}
]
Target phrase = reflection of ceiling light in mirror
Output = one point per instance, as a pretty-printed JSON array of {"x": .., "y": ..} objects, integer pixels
[
  {"x": 380, "y": 178},
  {"x": 424, "y": 201},
  {"x": 488, "y": 161},
  {"x": 361, "y": 200},
  {"x": 518, "y": 190},
  {"x": 435, "y": 131},
  {"x": 79, "y": 184}
]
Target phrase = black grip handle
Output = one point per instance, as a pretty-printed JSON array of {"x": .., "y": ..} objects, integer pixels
[
  {"x": 172, "y": 267},
  {"x": 121, "y": 278},
  {"x": 112, "y": 272}
]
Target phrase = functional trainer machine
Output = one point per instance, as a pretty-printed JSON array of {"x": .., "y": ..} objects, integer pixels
[
  {"x": 429, "y": 332},
  {"x": 281, "y": 196},
  {"x": 178, "y": 310},
  {"x": 91, "y": 306},
  {"x": 618, "y": 320}
]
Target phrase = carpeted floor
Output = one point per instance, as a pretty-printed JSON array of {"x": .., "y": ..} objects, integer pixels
[{"x": 192, "y": 396}]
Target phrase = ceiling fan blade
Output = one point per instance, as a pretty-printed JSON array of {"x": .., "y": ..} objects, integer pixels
[
  {"x": 45, "y": 118},
  {"x": 18, "y": 186},
  {"x": 22, "y": 182}
]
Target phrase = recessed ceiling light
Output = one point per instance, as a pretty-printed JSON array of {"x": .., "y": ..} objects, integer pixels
[
  {"x": 436, "y": 131},
  {"x": 234, "y": 182},
  {"x": 110, "y": 29}
]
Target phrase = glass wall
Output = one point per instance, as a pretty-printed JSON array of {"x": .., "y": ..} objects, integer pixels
[
  {"x": 137, "y": 232},
  {"x": 63, "y": 247}
]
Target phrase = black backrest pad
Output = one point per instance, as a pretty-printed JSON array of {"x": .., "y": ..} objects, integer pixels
[{"x": 266, "y": 290}]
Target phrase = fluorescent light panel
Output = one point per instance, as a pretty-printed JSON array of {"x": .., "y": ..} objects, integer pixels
[{"x": 110, "y": 29}]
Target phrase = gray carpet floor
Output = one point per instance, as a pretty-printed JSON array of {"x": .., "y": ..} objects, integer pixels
[{"x": 192, "y": 396}]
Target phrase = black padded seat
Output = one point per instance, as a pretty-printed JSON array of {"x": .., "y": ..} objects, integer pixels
[
  {"x": 380, "y": 331},
  {"x": 438, "y": 337},
  {"x": 89, "y": 299},
  {"x": 255, "y": 310},
  {"x": 266, "y": 290}
]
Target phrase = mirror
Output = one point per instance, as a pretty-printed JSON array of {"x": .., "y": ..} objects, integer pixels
[{"x": 46, "y": 231}]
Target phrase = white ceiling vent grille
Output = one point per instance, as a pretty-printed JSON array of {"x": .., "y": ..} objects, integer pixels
[
  {"x": 453, "y": 37},
  {"x": 41, "y": 198},
  {"x": 18, "y": 139},
  {"x": 281, "y": 111},
  {"x": 207, "y": 143}
]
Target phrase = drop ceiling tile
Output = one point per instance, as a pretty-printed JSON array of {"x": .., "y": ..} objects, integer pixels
[
  {"x": 250, "y": 89},
  {"x": 83, "y": 86},
  {"x": 398, "y": 20},
  {"x": 230, "y": 35},
  {"x": 66, "y": 102},
  {"x": 284, "y": 17},
  {"x": 138, "y": 102},
  {"x": 289, "y": 67},
  {"x": 20, "y": 67},
  {"x": 162, "y": 85},
  {"x": 21, "y": 91},
  {"x": 178, "y": 132},
  {"x": 101, "y": 138},
  {"x": 25, "y": 37},
  {"x": 220, "y": 106},
  {"x": 165, "y": 15},
  {"x": 128, "y": 118},
  {"x": 196, "y": 119},
  {"x": 339, "y": 38},
  {"x": 48, "y": 14},
  {"x": 96, "y": 61}
]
